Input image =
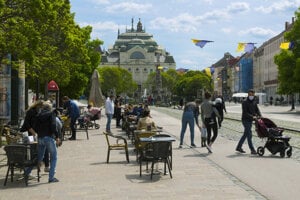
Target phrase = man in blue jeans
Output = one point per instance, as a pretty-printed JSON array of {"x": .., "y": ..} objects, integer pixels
[
  {"x": 250, "y": 111},
  {"x": 73, "y": 113},
  {"x": 109, "y": 111},
  {"x": 48, "y": 138}
]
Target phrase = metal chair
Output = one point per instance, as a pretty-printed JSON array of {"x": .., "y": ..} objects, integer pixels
[
  {"x": 138, "y": 144},
  {"x": 154, "y": 152},
  {"x": 22, "y": 157},
  {"x": 171, "y": 153},
  {"x": 116, "y": 146}
]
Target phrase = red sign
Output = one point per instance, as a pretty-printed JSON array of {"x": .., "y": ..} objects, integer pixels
[{"x": 52, "y": 86}]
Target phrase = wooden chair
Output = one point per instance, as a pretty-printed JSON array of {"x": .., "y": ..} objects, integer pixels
[
  {"x": 22, "y": 157},
  {"x": 116, "y": 145}
]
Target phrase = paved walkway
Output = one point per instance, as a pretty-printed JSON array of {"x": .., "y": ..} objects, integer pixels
[{"x": 84, "y": 174}]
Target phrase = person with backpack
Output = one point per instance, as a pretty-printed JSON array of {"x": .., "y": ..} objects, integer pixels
[
  {"x": 30, "y": 122},
  {"x": 220, "y": 106},
  {"x": 48, "y": 138}
]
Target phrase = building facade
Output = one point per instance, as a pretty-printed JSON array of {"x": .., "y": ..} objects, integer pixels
[
  {"x": 136, "y": 51},
  {"x": 255, "y": 70}
]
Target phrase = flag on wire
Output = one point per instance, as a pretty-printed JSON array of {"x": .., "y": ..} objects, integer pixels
[
  {"x": 287, "y": 45},
  {"x": 200, "y": 43},
  {"x": 209, "y": 71},
  {"x": 246, "y": 47}
]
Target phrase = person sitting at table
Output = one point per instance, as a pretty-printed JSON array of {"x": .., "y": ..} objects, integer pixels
[{"x": 146, "y": 122}]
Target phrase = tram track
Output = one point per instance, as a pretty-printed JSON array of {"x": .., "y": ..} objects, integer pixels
[
  {"x": 289, "y": 131},
  {"x": 285, "y": 128}
]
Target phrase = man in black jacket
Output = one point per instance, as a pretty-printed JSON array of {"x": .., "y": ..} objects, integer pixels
[
  {"x": 48, "y": 138},
  {"x": 250, "y": 112}
]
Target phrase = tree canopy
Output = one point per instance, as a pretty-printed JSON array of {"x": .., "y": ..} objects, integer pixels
[
  {"x": 288, "y": 61},
  {"x": 43, "y": 33},
  {"x": 116, "y": 80}
]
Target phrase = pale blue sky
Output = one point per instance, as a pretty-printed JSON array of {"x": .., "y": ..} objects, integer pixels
[{"x": 173, "y": 23}]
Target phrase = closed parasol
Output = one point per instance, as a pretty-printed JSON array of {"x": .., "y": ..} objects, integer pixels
[{"x": 96, "y": 98}]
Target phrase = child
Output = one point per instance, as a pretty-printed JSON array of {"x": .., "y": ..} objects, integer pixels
[{"x": 203, "y": 131}]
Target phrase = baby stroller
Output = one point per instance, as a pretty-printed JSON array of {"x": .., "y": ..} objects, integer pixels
[
  {"x": 276, "y": 142},
  {"x": 89, "y": 120}
]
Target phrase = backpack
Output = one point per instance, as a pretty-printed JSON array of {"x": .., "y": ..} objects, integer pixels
[{"x": 44, "y": 121}]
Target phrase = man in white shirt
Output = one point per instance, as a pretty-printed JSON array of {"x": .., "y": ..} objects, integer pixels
[{"x": 109, "y": 111}]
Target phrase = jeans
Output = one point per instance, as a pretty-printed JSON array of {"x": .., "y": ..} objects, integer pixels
[
  {"x": 109, "y": 117},
  {"x": 73, "y": 127},
  {"x": 247, "y": 134},
  {"x": 43, "y": 144},
  {"x": 49, "y": 144},
  {"x": 187, "y": 118},
  {"x": 211, "y": 125}
]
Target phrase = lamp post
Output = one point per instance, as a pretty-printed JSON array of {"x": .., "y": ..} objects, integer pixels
[{"x": 158, "y": 79}]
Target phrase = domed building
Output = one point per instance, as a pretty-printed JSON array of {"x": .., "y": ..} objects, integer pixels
[{"x": 137, "y": 51}]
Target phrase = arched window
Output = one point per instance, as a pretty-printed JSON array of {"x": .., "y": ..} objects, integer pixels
[{"x": 137, "y": 55}]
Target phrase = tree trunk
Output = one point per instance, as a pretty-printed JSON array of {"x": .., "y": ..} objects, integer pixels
[{"x": 293, "y": 101}]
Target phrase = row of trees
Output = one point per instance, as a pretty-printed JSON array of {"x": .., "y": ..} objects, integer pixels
[
  {"x": 43, "y": 33},
  {"x": 186, "y": 85}
]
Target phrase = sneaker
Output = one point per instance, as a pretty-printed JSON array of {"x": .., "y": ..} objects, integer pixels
[
  {"x": 46, "y": 169},
  {"x": 209, "y": 149},
  {"x": 180, "y": 146},
  {"x": 193, "y": 146},
  {"x": 71, "y": 138},
  {"x": 54, "y": 180},
  {"x": 253, "y": 152},
  {"x": 240, "y": 150}
]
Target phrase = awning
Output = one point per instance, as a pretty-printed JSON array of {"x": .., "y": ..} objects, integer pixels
[{"x": 241, "y": 95}]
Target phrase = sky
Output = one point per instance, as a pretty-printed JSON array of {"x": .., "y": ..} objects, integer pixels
[{"x": 173, "y": 23}]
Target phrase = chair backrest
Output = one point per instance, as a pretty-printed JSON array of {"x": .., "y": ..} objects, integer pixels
[
  {"x": 158, "y": 150},
  {"x": 106, "y": 137},
  {"x": 17, "y": 154}
]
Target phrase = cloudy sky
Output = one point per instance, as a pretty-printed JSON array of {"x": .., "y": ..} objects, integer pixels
[{"x": 173, "y": 23}]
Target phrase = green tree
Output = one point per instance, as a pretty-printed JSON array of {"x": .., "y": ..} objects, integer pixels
[
  {"x": 191, "y": 83},
  {"x": 118, "y": 80},
  {"x": 44, "y": 34},
  {"x": 288, "y": 62}
]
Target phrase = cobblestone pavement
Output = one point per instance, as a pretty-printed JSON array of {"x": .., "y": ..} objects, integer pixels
[
  {"x": 281, "y": 115},
  {"x": 84, "y": 173}
]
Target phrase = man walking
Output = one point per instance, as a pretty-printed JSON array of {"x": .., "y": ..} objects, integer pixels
[
  {"x": 250, "y": 111},
  {"x": 73, "y": 113},
  {"x": 109, "y": 111}
]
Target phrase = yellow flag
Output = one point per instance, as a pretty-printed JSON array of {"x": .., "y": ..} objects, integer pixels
[
  {"x": 207, "y": 71},
  {"x": 284, "y": 45},
  {"x": 240, "y": 47}
]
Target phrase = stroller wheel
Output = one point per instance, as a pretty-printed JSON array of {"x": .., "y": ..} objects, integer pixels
[
  {"x": 289, "y": 152},
  {"x": 282, "y": 153},
  {"x": 97, "y": 126},
  {"x": 260, "y": 151}
]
